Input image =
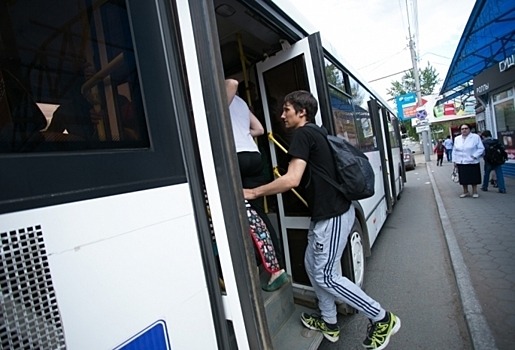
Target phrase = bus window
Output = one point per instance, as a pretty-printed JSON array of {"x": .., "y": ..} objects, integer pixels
[
  {"x": 394, "y": 136},
  {"x": 335, "y": 77},
  {"x": 343, "y": 116},
  {"x": 72, "y": 84},
  {"x": 363, "y": 120}
]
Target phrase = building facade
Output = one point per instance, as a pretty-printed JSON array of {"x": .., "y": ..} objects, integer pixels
[{"x": 495, "y": 92}]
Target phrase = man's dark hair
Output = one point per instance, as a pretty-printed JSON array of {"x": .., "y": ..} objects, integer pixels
[
  {"x": 303, "y": 100},
  {"x": 486, "y": 133}
]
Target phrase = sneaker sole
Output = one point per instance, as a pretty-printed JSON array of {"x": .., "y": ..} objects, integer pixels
[
  {"x": 395, "y": 329},
  {"x": 326, "y": 336}
]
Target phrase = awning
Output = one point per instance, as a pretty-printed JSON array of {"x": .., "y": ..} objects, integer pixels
[{"x": 488, "y": 38}]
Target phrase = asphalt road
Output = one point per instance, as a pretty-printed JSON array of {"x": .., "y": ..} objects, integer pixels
[{"x": 410, "y": 274}]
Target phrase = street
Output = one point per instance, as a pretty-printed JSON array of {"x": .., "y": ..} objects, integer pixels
[{"x": 410, "y": 274}]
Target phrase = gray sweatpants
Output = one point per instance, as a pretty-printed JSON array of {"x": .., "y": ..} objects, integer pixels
[{"x": 326, "y": 242}]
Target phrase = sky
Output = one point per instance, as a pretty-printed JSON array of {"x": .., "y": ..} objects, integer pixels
[{"x": 372, "y": 35}]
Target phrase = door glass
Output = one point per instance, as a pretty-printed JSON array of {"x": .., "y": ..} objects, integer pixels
[
  {"x": 280, "y": 81},
  {"x": 68, "y": 77}
]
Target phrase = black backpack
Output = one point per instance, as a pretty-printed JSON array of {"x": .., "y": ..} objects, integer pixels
[
  {"x": 495, "y": 153},
  {"x": 356, "y": 179}
]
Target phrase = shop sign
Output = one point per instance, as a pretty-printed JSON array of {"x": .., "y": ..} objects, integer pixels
[
  {"x": 507, "y": 63},
  {"x": 495, "y": 77}
]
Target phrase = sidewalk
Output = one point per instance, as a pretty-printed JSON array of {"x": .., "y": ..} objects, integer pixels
[{"x": 480, "y": 234}]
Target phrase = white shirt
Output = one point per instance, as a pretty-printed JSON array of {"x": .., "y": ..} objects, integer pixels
[
  {"x": 447, "y": 144},
  {"x": 240, "y": 119},
  {"x": 467, "y": 150}
]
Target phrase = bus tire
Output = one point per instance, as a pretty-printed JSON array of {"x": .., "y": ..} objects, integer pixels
[{"x": 401, "y": 186}]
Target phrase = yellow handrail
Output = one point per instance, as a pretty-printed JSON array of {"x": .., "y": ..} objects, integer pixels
[
  {"x": 272, "y": 138},
  {"x": 278, "y": 174},
  {"x": 276, "y": 170}
]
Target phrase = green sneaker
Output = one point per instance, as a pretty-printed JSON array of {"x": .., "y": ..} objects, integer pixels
[
  {"x": 316, "y": 323},
  {"x": 379, "y": 333}
]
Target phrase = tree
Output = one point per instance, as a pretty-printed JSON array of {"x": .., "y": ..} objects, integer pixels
[{"x": 428, "y": 78}]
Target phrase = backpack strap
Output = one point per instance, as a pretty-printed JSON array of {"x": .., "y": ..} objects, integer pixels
[{"x": 316, "y": 168}]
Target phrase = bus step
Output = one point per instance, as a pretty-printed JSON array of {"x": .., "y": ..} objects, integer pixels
[
  {"x": 293, "y": 335},
  {"x": 283, "y": 318}
]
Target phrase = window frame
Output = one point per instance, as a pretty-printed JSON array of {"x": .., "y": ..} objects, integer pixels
[{"x": 33, "y": 180}]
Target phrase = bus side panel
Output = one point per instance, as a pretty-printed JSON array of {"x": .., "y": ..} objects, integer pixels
[
  {"x": 375, "y": 208},
  {"x": 116, "y": 272}
]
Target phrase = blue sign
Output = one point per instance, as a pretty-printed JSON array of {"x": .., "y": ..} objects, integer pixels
[
  {"x": 406, "y": 105},
  {"x": 421, "y": 114},
  {"x": 155, "y": 337}
]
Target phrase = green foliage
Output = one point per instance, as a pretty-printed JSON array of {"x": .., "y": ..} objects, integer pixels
[
  {"x": 428, "y": 79},
  {"x": 410, "y": 130}
]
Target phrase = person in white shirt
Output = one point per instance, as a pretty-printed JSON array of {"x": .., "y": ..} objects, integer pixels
[
  {"x": 466, "y": 153},
  {"x": 246, "y": 126},
  {"x": 448, "y": 147}
]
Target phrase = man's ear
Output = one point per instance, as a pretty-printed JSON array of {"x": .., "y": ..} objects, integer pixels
[{"x": 302, "y": 113}]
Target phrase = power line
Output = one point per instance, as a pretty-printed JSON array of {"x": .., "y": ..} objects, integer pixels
[
  {"x": 391, "y": 75},
  {"x": 434, "y": 54},
  {"x": 382, "y": 60}
]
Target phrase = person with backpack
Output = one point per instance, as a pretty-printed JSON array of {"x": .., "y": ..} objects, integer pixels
[
  {"x": 246, "y": 126},
  {"x": 332, "y": 218},
  {"x": 439, "y": 150},
  {"x": 495, "y": 156}
]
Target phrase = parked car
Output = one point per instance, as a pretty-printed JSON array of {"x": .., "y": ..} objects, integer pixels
[{"x": 409, "y": 159}]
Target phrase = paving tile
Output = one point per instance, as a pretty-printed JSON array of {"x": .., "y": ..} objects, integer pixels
[{"x": 484, "y": 229}]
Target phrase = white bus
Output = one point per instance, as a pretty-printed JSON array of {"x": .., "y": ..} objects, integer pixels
[{"x": 122, "y": 219}]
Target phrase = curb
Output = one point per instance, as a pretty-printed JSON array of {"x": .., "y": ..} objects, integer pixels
[{"x": 479, "y": 330}]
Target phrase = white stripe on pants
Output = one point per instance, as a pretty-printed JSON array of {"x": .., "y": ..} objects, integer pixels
[{"x": 326, "y": 241}]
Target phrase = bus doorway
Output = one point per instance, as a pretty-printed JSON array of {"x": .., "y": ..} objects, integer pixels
[
  {"x": 284, "y": 66},
  {"x": 287, "y": 71}
]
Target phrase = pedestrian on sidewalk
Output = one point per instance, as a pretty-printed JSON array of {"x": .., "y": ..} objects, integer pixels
[
  {"x": 466, "y": 153},
  {"x": 332, "y": 218},
  {"x": 492, "y": 175},
  {"x": 495, "y": 156},
  {"x": 448, "y": 147},
  {"x": 439, "y": 150}
]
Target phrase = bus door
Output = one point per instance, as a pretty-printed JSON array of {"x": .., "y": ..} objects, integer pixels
[
  {"x": 392, "y": 133},
  {"x": 294, "y": 68},
  {"x": 381, "y": 133}
]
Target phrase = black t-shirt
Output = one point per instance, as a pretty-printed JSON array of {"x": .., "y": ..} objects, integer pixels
[{"x": 323, "y": 199}]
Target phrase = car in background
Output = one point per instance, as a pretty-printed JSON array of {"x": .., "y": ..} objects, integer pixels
[{"x": 409, "y": 158}]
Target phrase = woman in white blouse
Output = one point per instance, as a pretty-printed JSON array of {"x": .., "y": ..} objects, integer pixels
[{"x": 466, "y": 153}]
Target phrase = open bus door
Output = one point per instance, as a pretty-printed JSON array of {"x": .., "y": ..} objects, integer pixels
[
  {"x": 289, "y": 70},
  {"x": 298, "y": 67}
]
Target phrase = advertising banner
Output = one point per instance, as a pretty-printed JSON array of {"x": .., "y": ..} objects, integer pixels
[{"x": 406, "y": 106}]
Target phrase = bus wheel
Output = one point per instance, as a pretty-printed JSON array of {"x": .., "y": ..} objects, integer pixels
[
  {"x": 401, "y": 188},
  {"x": 357, "y": 252}
]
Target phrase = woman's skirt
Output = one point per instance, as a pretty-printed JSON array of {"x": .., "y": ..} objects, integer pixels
[{"x": 469, "y": 174}]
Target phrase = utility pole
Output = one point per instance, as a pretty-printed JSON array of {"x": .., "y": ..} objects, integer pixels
[{"x": 422, "y": 123}]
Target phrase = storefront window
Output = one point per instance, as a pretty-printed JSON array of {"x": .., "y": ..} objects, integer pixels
[{"x": 504, "y": 110}]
